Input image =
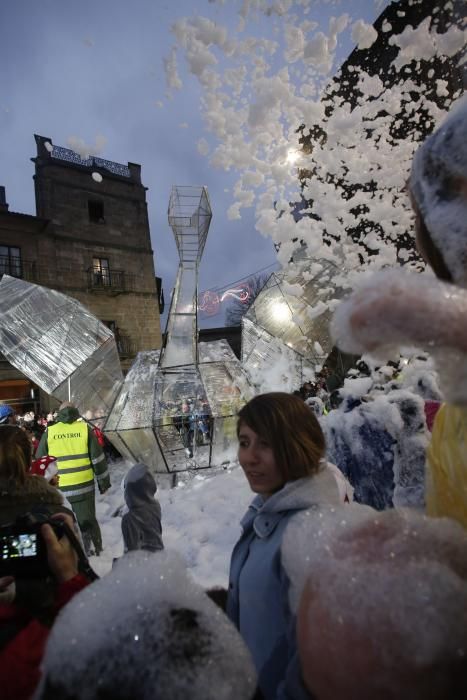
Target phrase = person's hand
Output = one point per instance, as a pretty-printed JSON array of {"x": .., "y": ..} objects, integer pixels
[
  {"x": 61, "y": 555},
  {"x": 7, "y": 589},
  {"x": 5, "y": 581}
]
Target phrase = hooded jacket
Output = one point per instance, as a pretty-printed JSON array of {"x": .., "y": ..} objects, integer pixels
[
  {"x": 258, "y": 586},
  {"x": 141, "y": 526}
]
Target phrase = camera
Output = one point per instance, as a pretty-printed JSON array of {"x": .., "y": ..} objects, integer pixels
[{"x": 23, "y": 552}]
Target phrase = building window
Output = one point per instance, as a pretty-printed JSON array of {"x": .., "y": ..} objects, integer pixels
[
  {"x": 10, "y": 261},
  {"x": 101, "y": 272},
  {"x": 96, "y": 211}
]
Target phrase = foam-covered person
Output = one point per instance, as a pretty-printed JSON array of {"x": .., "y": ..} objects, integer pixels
[
  {"x": 410, "y": 450},
  {"x": 382, "y": 605},
  {"x": 281, "y": 447},
  {"x": 143, "y": 632},
  {"x": 394, "y": 308},
  {"x": 360, "y": 442}
]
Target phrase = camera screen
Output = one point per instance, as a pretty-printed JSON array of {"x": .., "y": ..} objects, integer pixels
[{"x": 18, "y": 546}]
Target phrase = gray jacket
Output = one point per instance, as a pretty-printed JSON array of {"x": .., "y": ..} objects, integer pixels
[{"x": 141, "y": 525}]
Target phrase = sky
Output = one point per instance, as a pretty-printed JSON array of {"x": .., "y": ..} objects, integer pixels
[{"x": 94, "y": 70}]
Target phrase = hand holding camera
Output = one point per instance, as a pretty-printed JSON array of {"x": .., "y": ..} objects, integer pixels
[
  {"x": 7, "y": 589},
  {"x": 39, "y": 547},
  {"x": 62, "y": 557}
]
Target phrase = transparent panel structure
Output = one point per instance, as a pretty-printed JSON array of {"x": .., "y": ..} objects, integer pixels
[
  {"x": 261, "y": 351},
  {"x": 282, "y": 328},
  {"x": 189, "y": 217},
  {"x": 177, "y": 408},
  {"x": 58, "y": 344}
]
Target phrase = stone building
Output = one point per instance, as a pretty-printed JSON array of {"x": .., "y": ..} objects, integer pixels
[{"x": 90, "y": 239}]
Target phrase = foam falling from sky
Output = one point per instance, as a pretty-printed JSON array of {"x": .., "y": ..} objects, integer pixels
[{"x": 255, "y": 92}]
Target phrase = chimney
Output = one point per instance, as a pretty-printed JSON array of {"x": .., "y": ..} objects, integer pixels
[{"x": 3, "y": 202}]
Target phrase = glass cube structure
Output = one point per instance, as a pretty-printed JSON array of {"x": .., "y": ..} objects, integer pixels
[
  {"x": 58, "y": 344},
  {"x": 184, "y": 419}
]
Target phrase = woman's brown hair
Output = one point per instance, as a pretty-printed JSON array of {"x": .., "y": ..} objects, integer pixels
[
  {"x": 15, "y": 454},
  {"x": 292, "y": 430}
]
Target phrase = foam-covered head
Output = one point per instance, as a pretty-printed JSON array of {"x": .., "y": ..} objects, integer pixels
[
  {"x": 411, "y": 408},
  {"x": 438, "y": 184},
  {"x": 388, "y": 593},
  {"x": 145, "y": 631},
  {"x": 316, "y": 405}
]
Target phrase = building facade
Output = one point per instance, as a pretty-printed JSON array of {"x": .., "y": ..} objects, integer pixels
[{"x": 90, "y": 239}]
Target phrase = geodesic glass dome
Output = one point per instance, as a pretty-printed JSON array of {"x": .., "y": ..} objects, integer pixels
[{"x": 282, "y": 326}]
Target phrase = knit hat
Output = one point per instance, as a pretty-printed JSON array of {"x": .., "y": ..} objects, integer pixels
[
  {"x": 5, "y": 413},
  {"x": 45, "y": 466},
  {"x": 438, "y": 183}
]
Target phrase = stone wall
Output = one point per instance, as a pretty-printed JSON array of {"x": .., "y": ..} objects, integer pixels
[{"x": 59, "y": 244}]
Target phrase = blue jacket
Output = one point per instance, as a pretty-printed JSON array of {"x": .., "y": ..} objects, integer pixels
[{"x": 258, "y": 585}]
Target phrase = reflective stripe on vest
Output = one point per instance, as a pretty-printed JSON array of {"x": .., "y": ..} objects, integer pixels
[
  {"x": 68, "y": 442},
  {"x": 73, "y": 492}
]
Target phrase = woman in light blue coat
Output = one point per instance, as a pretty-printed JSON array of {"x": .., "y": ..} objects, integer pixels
[{"x": 281, "y": 446}]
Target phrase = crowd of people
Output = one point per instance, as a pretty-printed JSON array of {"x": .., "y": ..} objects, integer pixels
[{"x": 349, "y": 578}]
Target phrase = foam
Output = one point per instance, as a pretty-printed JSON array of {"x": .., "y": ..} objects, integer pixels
[{"x": 146, "y": 630}]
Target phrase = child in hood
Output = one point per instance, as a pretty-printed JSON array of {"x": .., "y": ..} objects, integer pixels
[{"x": 141, "y": 525}]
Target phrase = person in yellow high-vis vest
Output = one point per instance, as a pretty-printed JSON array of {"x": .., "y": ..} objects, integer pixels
[{"x": 80, "y": 458}]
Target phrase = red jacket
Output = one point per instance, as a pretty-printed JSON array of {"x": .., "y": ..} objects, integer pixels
[
  {"x": 99, "y": 435},
  {"x": 431, "y": 409},
  {"x": 20, "y": 659}
]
